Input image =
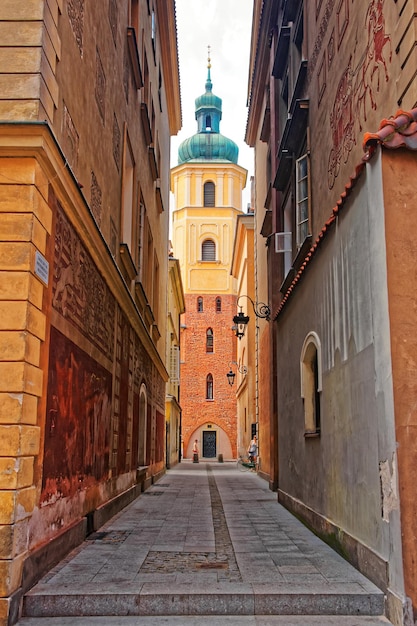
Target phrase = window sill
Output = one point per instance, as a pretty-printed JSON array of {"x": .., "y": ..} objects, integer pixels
[
  {"x": 127, "y": 261},
  {"x": 302, "y": 253},
  {"x": 312, "y": 434},
  {"x": 287, "y": 281},
  {"x": 207, "y": 261}
]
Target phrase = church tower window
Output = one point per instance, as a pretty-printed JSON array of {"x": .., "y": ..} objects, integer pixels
[
  {"x": 208, "y": 250},
  {"x": 209, "y": 194}
]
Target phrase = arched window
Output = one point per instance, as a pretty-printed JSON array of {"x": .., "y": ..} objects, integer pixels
[
  {"x": 311, "y": 383},
  {"x": 199, "y": 305},
  {"x": 208, "y": 122},
  {"x": 209, "y": 340},
  {"x": 218, "y": 305},
  {"x": 208, "y": 250},
  {"x": 209, "y": 194},
  {"x": 209, "y": 387},
  {"x": 143, "y": 411}
]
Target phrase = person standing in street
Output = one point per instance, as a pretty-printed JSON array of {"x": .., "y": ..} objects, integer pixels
[
  {"x": 195, "y": 451},
  {"x": 253, "y": 450}
]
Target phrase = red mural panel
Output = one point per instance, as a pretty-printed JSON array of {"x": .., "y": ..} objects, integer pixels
[
  {"x": 160, "y": 437},
  {"x": 123, "y": 360},
  {"x": 78, "y": 419}
]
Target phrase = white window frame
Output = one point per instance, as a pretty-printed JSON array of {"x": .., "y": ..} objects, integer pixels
[{"x": 301, "y": 199}]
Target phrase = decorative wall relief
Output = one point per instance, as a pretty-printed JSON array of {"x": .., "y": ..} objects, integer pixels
[
  {"x": 117, "y": 138},
  {"x": 75, "y": 10},
  {"x": 358, "y": 86},
  {"x": 113, "y": 19},
  {"x": 100, "y": 90},
  {"x": 79, "y": 292},
  {"x": 71, "y": 140},
  {"x": 95, "y": 199}
]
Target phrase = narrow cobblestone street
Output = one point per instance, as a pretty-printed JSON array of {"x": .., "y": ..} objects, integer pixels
[{"x": 207, "y": 544}]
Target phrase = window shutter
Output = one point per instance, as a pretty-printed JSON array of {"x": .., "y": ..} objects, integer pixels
[
  {"x": 175, "y": 364},
  {"x": 209, "y": 195},
  {"x": 208, "y": 250}
]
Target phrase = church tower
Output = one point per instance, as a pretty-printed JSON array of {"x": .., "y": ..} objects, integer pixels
[{"x": 207, "y": 185}]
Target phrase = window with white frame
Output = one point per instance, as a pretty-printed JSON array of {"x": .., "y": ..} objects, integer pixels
[
  {"x": 175, "y": 364},
  {"x": 302, "y": 223},
  {"x": 208, "y": 250},
  {"x": 209, "y": 340},
  {"x": 209, "y": 387},
  {"x": 311, "y": 383},
  {"x": 209, "y": 194}
]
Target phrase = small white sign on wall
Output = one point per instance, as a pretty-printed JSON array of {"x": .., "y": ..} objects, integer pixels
[{"x": 41, "y": 267}]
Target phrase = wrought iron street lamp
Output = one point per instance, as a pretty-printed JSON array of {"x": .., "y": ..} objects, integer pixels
[
  {"x": 241, "y": 320},
  {"x": 231, "y": 375}
]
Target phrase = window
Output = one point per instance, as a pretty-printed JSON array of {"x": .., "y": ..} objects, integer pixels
[
  {"x": 208, "y": 124},
  {"x": 143, "y": 410},
  {"x": 128, "y": 194},
  {"x": 209, "y": 194},
  {"x": 153, "y": 29},
  {"x": 209, "y": 340},
  {"x": 174, "y": 371},
  {"x": 155, "y": 288},
  {"x": 209, "y": 387},
  {"x": 200, "y": 304},
  {"x": 218, "y": 305},
  {"x": 140, "y": 233},
  {"x": 311, "y": 383},
  {"x": 302, "y": 199},
  {"x": 147, "y": 258},
  {"x": 208, "y": 250}
]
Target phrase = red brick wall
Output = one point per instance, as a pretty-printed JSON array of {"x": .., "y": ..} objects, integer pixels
[{"x": 196, "y": 364}]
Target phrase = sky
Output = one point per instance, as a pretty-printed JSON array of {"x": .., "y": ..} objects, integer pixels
[{"x": 225, "y": 26}]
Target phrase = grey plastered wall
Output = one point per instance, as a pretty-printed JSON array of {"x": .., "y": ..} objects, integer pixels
[{"x": 348, "y": 474}]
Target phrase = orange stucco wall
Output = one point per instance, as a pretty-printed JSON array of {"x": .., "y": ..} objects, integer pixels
[{"x": 399, "y": 175}]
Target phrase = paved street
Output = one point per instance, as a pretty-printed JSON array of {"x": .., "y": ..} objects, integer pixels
[{"x": 207, "y": 544}]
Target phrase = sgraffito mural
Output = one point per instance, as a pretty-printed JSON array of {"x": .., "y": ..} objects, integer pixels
[
  {"x": 77, "y": 449},
  {"x": 78, "y": 420},
  {"x": 361, "y": 80},
  {"x": 79, "y": 292},
  {"x": 95, "y": 425}
]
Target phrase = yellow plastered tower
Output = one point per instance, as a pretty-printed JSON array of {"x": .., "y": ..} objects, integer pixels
[{"x": 207, "y": 184}]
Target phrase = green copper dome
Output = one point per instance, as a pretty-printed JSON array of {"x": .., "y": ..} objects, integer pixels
[{"x": 208, "y": 144}]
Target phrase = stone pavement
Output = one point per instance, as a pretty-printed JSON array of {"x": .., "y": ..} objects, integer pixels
[{"x": 206, "y": 545}]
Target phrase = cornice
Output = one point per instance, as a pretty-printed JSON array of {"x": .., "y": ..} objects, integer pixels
[{"x": 169, "y": 54}]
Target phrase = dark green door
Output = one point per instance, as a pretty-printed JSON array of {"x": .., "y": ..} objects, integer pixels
[{"x": 209, "y": 444}]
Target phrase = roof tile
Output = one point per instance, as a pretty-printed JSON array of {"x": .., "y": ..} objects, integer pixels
[{"x": 399, "y": 131}]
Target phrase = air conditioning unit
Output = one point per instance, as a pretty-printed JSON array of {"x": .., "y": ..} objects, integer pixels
[{"x": 283, "y": 242}]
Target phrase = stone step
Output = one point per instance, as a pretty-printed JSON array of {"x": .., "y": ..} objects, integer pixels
[
  {"x": 209, "y": 620},
  {"x": 234, "y": 599}
]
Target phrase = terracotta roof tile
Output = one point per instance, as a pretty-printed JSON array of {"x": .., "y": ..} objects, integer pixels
[{"x": 399, "y": 131}]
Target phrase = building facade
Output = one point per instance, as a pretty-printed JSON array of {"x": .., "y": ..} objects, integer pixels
[
  {"x": 322, "y": 74},
  {"x": 207, "y": 184},
  {"x": 89, "y": 97},
  {"x": 173, "y": 411},
  {"x": 245, "y": 367}
]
